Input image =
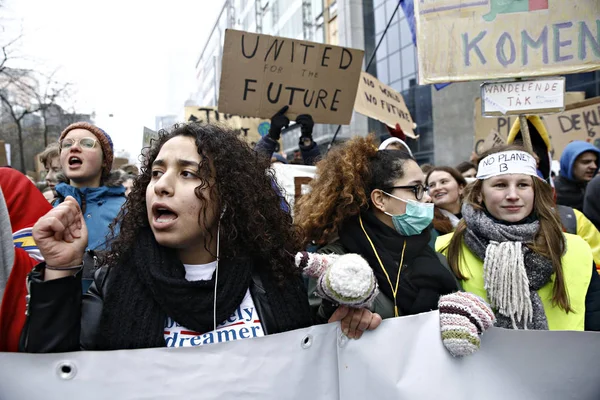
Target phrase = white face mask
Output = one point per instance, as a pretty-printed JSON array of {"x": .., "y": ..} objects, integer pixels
[{"x": 416, "y": 219}]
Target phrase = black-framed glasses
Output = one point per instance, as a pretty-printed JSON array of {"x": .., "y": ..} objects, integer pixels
[
  {"x": 85, "y": 143},
  {"x": 418, "y": 189}
]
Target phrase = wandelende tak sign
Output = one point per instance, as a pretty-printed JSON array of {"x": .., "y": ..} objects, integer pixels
[{"x": 262, "y": 73}]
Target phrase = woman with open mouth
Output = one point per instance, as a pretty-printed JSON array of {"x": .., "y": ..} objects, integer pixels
[
  {"x": 205, "y": 254},
  {"x": 510, "y": 249}
]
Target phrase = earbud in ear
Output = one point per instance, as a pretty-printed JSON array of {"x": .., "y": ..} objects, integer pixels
[{"x": 223, "y": 212}]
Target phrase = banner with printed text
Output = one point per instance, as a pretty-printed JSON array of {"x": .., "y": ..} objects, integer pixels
[
  {"x": 460, "y": 40},
  {"x": 402, "y": 359}
]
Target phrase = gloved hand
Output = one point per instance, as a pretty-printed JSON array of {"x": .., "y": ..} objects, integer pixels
[
  {"x": 306, "y": 125},
  {"x": 346, "y": 280},
  {"x": 278, "y": 122},
  {"x": 464, "y": 317},
  {"x": 396, "y": 132}
]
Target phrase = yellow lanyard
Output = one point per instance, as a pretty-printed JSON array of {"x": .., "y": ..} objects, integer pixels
[{"x": 394, "y": 290}]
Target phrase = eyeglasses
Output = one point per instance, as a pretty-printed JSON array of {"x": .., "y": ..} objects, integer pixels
[
  {"x": 85, "y": 143},
  {"x": 418, "y": 189}
]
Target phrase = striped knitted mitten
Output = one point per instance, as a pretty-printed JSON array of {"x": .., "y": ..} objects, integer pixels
[
  {"x": 347, "y": 279},
  {"x": 463, "y": 318}
]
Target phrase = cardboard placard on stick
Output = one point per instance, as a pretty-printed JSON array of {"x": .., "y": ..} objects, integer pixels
[
  {"x": 484, "y": 126},
  {"x": 379, "y": 101},
  {"x": 251, "y": 129},
  {"x": 261, "y": 74},
  {"x": 581, "y": 121},
  {"x": 459, "y": 40},
  {"x": 534, "y": 96}
]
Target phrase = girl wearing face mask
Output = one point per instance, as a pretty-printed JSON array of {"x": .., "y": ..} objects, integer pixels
[
  {"x": 446, "y": 186},
  {"x": 369, "y": 202},
  {"x": 510, "y": 249}
]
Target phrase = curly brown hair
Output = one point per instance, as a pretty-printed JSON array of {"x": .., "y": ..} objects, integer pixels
[
  {"x": 256, "y": 224},
  {"x": 345, "y": 179}
]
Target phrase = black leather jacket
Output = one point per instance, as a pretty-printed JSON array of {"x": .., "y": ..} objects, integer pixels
[{"x": 60, "y": 318}]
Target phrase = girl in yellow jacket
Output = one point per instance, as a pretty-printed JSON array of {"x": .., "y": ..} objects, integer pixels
[{"x": 510, "y": 249}]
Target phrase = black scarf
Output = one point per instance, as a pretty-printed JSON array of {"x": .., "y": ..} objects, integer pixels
[
  {"x": 151, "y": 285},
  {"x": 423, "y": 278}
]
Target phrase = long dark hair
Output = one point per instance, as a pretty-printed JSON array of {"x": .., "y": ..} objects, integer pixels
[{"x": 255, "y": 225}]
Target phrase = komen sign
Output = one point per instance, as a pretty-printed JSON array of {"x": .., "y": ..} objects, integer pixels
[
  {"x": 511, "y": 48},
  {"x": 462, "y": 40}
]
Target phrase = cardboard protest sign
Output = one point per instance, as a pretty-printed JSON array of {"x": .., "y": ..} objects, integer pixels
[
  {"x": 379, "y": 101},
  {"x": 251, "y": 129},
  {"x": 581, "y": 121},
  {"x": 534, "y": 96},
  {"x": 262, "y": 73},
  {"x": 485, "y": 126},
  {"x": 461, "y": 40}
]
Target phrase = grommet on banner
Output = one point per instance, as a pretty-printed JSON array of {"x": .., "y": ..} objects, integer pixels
[
  {"x": 342, "y": 339},
  {"x": 306, "y": 341},
  {"x": 66, "y": 370}
]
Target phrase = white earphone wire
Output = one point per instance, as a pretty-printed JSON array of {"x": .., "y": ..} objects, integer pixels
[
  {"x": 217, "y": 269},
  {"x": 216, "y": 279}
]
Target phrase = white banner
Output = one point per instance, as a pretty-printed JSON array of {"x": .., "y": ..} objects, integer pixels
[{"x": 403, "y": 359}]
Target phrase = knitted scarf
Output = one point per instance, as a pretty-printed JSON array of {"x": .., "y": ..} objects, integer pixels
[
  {"x": 423, "y": 278},
  {"x": 512, "y": 272},
  {"x": 151, "y": 285}
]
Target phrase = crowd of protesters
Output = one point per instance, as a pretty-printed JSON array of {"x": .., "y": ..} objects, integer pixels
[{"x": 200, "y": 239}]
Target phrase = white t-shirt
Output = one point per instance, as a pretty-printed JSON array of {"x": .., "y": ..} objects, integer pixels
[{"x": 244, "y": 323}]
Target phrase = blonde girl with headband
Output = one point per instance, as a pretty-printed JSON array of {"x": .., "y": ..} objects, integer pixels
[
  {"x": 510, "y": 249},
  {"x": 205, "y": 254}
]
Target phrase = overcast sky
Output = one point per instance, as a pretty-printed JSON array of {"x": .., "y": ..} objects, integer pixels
[{"x": 131, "y": 58}]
